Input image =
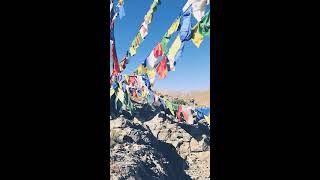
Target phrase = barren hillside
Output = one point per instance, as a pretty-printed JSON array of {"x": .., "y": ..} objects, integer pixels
[{"x": 202, "y": 98}]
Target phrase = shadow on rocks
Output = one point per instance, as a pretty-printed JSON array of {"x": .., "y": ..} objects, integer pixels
[
  {"x": 196, "y": 131},
  {"x": 177, "y": 165},
  {"x": 146, "y": 113}
]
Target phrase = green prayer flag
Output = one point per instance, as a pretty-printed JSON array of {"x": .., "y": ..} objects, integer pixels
[
  {"x": 164, "y": 42},
  {"x": 169, "y": 106},
  {"x": 175, "y": 106},
  {"x": 204, "y": 25},
  {"x": 140, "y": 37}
]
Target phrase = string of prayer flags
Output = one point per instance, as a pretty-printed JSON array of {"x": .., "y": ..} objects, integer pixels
[
  {"x": 121, "y": 93},
  {"x": 143, "y": 31},
  {"x": 153, "y": 8},
  {"x": 151, "y": 60},
  {"x": 161, "y": 48},
  {"x": 162, "y": 68}
]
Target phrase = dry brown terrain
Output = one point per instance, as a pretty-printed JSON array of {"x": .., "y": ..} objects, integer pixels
[{"x": 202, "y": 98}]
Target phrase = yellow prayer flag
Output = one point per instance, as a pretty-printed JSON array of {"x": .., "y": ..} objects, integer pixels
[
  {"x": 174, "y": 48},
  {"x": 197, "y": 37},
  {"x": 141, "y": 69},
  {"x": 151, "y": 74},
  {"x": 132, "y": 51},
  {"x": 144, "y": 93},
  {"x": 207, "y": 118},
  {"x": 173, "y": 28}
]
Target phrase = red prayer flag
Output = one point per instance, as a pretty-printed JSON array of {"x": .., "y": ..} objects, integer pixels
[
  {"x": 132, "y": 79},
  {"x": 162, "y": 68},
  {"x": 116, "y": 69},
  {"x": 179, "y": 112},
  {"x": 157, "y": 51}
]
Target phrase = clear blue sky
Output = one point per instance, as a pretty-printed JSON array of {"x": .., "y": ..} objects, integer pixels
[{"x": 192, "y": 71}]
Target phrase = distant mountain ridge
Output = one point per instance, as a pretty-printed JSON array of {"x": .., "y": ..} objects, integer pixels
[{"x": 201, "y": 97}]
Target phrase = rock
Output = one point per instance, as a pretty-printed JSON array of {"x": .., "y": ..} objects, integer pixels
[
  {"x": 135, "y": 135},
  {"x": 184, "y": 156},
  {"x": 119, "y": 123},
  {"x": 174, "y": 136},
  {"x": 157, "y": 148},
  {"x": 171, "y": 126},
  {"x": 204, "y": 155},
  {"x": 186, "y": 137},
  {"x": 126, "y": 139},
  {"x": 200, "y": 146},
  {"x": 155, "y": 132},
  {"x": 136, "y": 121},
  {"x": 163, "y": 135},
  {"x": 176, "y": 144},
  {"x": 195, "y": 146},
  {"x": 184, "y": 148}
]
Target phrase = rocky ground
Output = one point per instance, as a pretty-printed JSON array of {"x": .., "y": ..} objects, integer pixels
[{"x": 158, "y": 147}]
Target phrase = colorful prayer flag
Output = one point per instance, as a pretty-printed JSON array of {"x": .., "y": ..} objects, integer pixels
[
  {"x": 162, "y": 69},
  {"x": 197, "y": 37},
  {"x": 186, "y": 29},
  {"x": 198, "y": 9},
  {"x": 157, "y": 51},
  {"x": 173, "y": 51},
  {"x": 151, "y": 60}
]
